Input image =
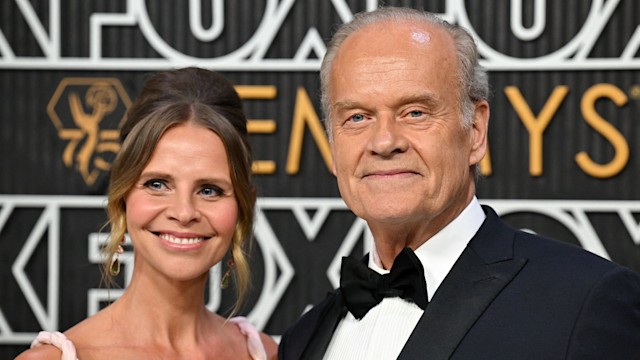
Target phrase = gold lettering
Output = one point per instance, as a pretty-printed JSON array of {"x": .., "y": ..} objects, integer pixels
[
  {"x": 267, "y": 92},
  {"x": 260, "y": 126},
  {"x": 305, "y": 114},
  {"x": 536, "y": 125},
  {"x": 604, "y": 128}
]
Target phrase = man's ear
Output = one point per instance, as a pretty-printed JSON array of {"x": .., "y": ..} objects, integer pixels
[
  {"x": 333, "y": 162},
  {"x": 333, "y": 154},
  {"x": 478, "y": 132}
]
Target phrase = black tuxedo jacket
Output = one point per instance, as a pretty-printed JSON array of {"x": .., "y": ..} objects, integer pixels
[{"x": 510, "y": 295}]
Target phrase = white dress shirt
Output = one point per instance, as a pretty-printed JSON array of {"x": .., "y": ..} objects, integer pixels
[{"x": 383, "y": 331}]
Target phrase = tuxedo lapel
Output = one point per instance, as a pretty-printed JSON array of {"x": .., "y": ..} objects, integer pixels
[
  {"x": 328, "y": 320},
  {"x": 485, "y": 267}
]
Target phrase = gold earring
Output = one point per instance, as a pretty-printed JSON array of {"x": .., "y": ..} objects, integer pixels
[
  {"x": 224, "y": 283},
  {"x": 114, "y": 269}
]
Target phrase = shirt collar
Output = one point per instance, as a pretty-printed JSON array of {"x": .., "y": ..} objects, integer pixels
[{"x": 441, "y": 251}]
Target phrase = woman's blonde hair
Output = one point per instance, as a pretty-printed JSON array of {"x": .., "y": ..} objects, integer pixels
[{"x": 168, "y": 99}]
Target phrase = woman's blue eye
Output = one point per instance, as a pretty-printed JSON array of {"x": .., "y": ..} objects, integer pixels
[
  {"x": 211, "y": 191},
  {"x": 357, "y": 117},
  {"x": 154, "y": 184}
]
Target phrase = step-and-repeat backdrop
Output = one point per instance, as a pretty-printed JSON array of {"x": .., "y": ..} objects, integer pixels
[{"x": 564, "y": 155}]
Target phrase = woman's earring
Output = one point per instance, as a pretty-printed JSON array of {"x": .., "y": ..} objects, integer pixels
[
  {"x": 114, "y": 269},
  {"x": 224, "y": 283}
]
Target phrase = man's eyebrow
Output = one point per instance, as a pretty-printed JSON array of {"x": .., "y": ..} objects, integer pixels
[
  {"x": 346, "y": 104},
  {"x": 428, "y": 99}
]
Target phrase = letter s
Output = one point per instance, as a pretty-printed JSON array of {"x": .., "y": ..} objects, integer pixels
[{"x": 604, "y": 128}]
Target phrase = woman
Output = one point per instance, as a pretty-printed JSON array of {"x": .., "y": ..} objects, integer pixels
[{"x": 181, "y": 187}]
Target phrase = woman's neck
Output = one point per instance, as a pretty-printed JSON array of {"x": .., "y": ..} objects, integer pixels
[{"x": 165, "y": 310}]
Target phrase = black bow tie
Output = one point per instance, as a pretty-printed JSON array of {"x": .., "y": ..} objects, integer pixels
[{"x": 363, "y": 288}]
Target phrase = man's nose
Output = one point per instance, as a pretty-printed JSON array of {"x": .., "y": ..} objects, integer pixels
[{"x": 387, "y": 137}]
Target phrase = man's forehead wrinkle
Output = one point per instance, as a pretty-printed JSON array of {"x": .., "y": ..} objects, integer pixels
[
  {"x": 374, "y": 75},
  {"x": 382, "y": 65}
]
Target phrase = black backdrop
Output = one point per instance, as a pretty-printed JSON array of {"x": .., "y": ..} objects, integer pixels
[{"x": 563, "y": 161}]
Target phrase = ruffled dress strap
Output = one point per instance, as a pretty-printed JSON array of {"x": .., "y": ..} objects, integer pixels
[
  {"x": 254, "y": 343},
  {"x": 58, "y": 340}
]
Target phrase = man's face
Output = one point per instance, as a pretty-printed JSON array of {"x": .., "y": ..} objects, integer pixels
[{"x": 400, "y": 153}]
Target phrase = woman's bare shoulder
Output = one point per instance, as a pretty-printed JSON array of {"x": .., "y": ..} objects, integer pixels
[
  {"x": 270, "y": 346},
  {"x": 83, "y": 333},
  {"x": 40, "y": 353}
]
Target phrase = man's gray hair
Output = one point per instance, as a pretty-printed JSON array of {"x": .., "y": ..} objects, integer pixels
[{"x": 473, "y": 83}]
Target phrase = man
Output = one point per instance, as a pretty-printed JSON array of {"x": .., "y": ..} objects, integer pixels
[{"x": 407, "y": 116}]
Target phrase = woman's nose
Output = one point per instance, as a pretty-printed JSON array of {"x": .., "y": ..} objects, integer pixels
[{"x": 184, "y": 209}]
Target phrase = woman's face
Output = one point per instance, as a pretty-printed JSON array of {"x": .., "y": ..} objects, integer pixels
[{"x": 182, "y": 211}]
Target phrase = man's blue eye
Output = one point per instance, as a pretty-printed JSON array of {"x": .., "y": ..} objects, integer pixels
[
  {"x": 357, "y": 117},
  {"x": 416, "y": 113}
]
